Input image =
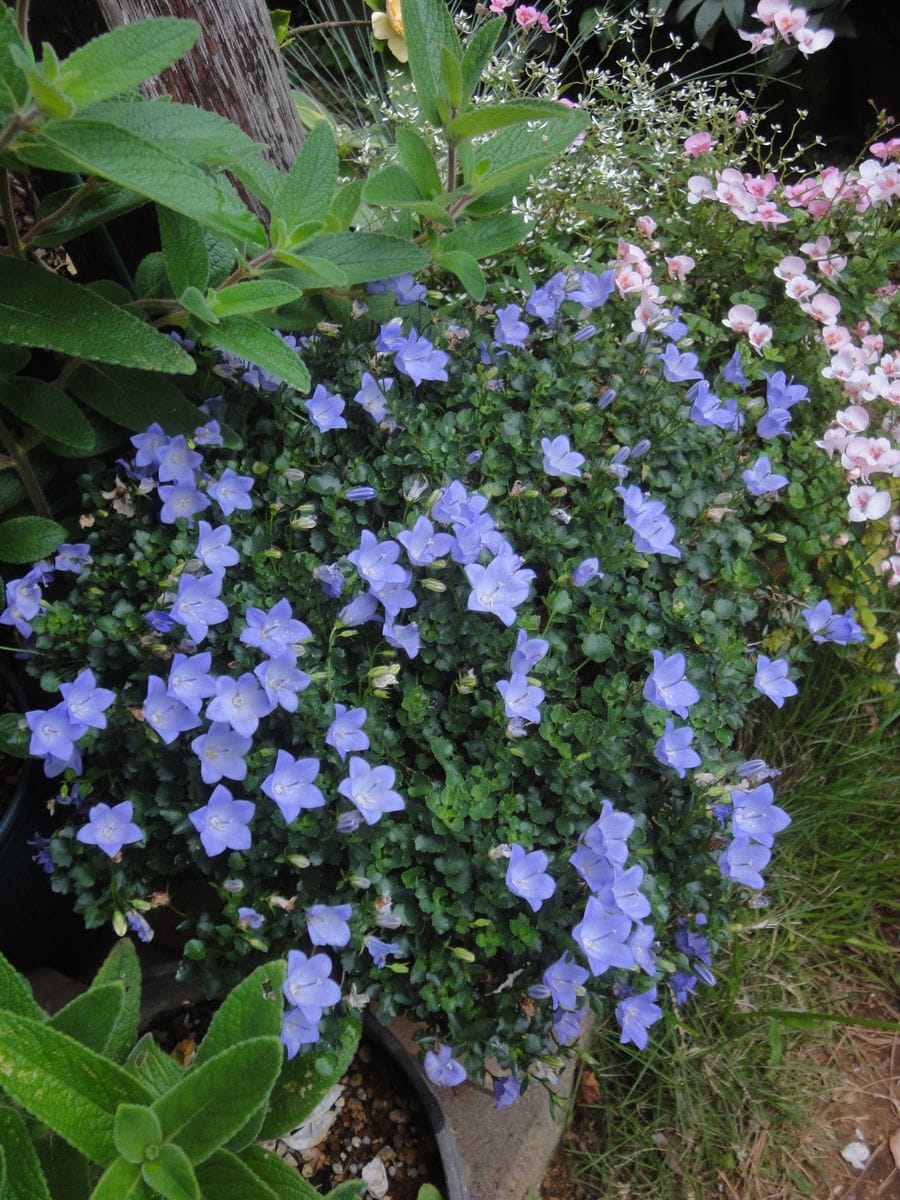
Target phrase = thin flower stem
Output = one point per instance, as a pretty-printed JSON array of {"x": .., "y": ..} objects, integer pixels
[
  {"x": 9, "y": 216},
  {"x": 74, "y": 200},
  {"x": 358, "y": 24},
  {"x": 19, "y": 121},
  {"x": 26, "y": 474},
  {"x": 22, "y": 18},
  {"x": 451, "y": 165}
]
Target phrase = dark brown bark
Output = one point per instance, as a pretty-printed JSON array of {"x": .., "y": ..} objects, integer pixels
[{"x": 235, "y": 68}]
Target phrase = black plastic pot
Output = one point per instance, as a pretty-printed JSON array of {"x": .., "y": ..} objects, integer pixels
[
  {"x": 455, "y": 1182},
  {"x": 37, "y": 925}
]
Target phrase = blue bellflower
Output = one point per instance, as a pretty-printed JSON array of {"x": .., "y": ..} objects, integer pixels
[
  {"x": 110, "y": 828},
  {"x": 165, "y": 713},
  {"x": 560, "y": 458},
  {"x": 510, "y": 330},
  {"x": 221, "y": 752},
  {"x": 772, "y": 680},
  {"x": 760, "y": 479},
  {"x": 825, "y": 625},
  {"x": 527, "y": 878},
  {"x": 370, "y": 790},
  {"x": 326, "y": 924},
  {"x": 223, "y": 822},
  {"x": 85, "y": 702},
  {"x": 602, "y": 937},
  {"x": 635, "y": 1014},
  {"x": 443, "y": 1069},
  {"x": 213, "y": 547},
  {"x": 666, "y": 686},
  {"x": 190, "y": 680},
  {"x": 345, "y": 733},
  {"x": 544, "y": 301},
  {"x": 673, "y": 749},
  {"x": 290, "y": 785},
  {"x": 592, "y": 291},
  {"x": 232, "y": 492},
  {"x": 325, "y": 410},
  {"x": 417, "y": 358}
]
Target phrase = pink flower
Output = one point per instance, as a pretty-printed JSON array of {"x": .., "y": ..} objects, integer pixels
[
  {"x": 835, "y": 337},
  {"x": 800, "y": 287},
  {"x": 767, "y": 214},
  {"x": 527, "y": 15},
  {"x": 760, "y": 335},
  {"x": 699, "y": 143},
  {"x": 499, "y": 7},
  {"x": 867, "y": 504},
  {"x": 740, "y": 318},
  {"x": 824, "y": 308},
  {"x": 810, "y": 41},
  {"x": 790, "y": 267},
  {"x": 788, "y": 21},
  {"x": 700, "y": 188},
  {"x": 758, "y": 41},
  {"x": 886, "y": 150},
  {"x": 679, "y": 265},
  {"x": 646, "y": 226},
  {"x": 766, "y": 9},
  {"x": 741, "y": 117}
]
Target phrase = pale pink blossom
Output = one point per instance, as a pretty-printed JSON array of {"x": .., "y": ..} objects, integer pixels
[
  {"x": 761, "y": 186},
  {"x": 741, "y": 117},
  {"x": 824, "y": 307},
  {"x": 700, "y": 188},
  {"x": 790, "y": 267},
  {"x": 833, "y": 440},
  {"x": 759, "y": 335},
  {"x": 867, "y": 504},
  {"x": 500, "y": 6},
  {"x": 757, "y": 40},
  {"x": 628, "y": 280},
  {"x": 892, "y": 564},
  {"x": 789, "y": 21},
  {"x": 645, "y": 226},
  {"x": 740, "y": 318},
  {"x": 835, "y": 337},
  {"x": 854, "y": 418},
  {"x": 800, "y": 287},
  {"x": 679, "y": 265},
  {"x": 527, "y": 15},
  {"x": 699, "y": 143},
  {"x": 817, "y": 249},
  {"x": 648, "y": 312},
  {"x": 810, "y": 41},
  {"x": 830, "y": 268},
  {"x": 886, "y": 150},
  {"x": 766, "y": 9},
  {"x": 767, "y": 214}
]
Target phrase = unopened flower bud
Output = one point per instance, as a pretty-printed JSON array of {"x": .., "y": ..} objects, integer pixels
[
  {"x": 386, "y": 676},
  {"x": 467, "y": 683},
  {"x": 304, "y": 522},
  {"x": 300, "y": 861},
  {"x": 233, "y": 885},
  {"x": 434, "y": 585},
  {"x": 414, "y": 489},
  {"x": 496, "y": 853}
]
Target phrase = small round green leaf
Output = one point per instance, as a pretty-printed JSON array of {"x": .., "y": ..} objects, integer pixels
[{"x": 136, "y": 1128}]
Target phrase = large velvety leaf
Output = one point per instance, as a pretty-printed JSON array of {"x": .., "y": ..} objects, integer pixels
[
  {"x": 121, "y": 966},
  {"x": 24, "y": 1177},
  {"x": 250, "y": 340},
  {"x": 485, "y": 237},
  {"x": 418, "y": 159},
  {"x": 305, "y": 1079},
  {"x": 91, "y": 1017},
  {"x": 307, "y": 191},
  {"x": 68, "y": 1087},
  {"x": 254, "y": 1008},
  {"x": 157, "y": 1070},
  {"x": 38, "y": 308},
  {"x": 171, "y": 1174},
  {"x": 225, "y": 1176},
  {"x": 276, "y": 1176},
  {"x": 200, "y": 136},
  {"x": 150, "y": 168},
  {"x": 103, "y": 203},
  {"x": 478, "y": 51},
  {"x": 135, "y": 399},
  {"x": 122, "y": 1181},
  {"x": 48, "y": 410},
  {"x": 184, "y": 250},
  {"x": 15, "y": 992},
  {"x": 121, "y": 59},
  {"x": 489, "y": 117},
  {"x": 13, "y": 85},
  {"x": 368, "y": 256},
  {"x": 428, "y": 27},
  {"x": 466, "y": 270},
  {"x": 68, "y": 1172},
  {"x": 210, "y": 1104},
  {"x": 26, "y": 539},
  {"x": 252, "y": 295}
]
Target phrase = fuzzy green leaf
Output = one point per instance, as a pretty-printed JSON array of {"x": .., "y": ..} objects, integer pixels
[
  {"x": 344, "y": 205},
  {"x": 489, "y": 117},
  {"x": 200, "y": 136},
  {"x": 274, "y": 1173},
  {"x": 103, "y": 203},
  {"x": 312, "y": 272},
  {"x": 122, "y": 1181},
  {"x": 252, "y": 295},
  {"x": 418, "y": 159},
  {"x": 308, "y": 189},
  {"x": 134, "y": 399},
  {"x": 466, "y": 270},
  {"x": 513, "y": 154},
  {"x": 91, "y": 1017},
  {"x": 451, "y": 76},
  {"x": 305, "y": 1079},
  {"x": 477, "y": 54},
  {"x": 210, "y": 1104},
  {"x": 225, "y": 1176},
  {"x": 428, "y": 26},
  {"x": 367, "y": 256},
  {"x": 149, "y": 168},
  {"x": 15, "y": 989},
  {"x": 24, "y": 1177},
  {"x": 12, "y": 360},
  {"x": 194, "y": 302},
  {"x": 123, "y": 58},
  {"x": 66, "y": 1086},
  {"x": 38, "y": 308},
  {"x": 184, "y": 250},
  {"x": 254, "y": 1008},
  {"x": 67, "y": 1172},
  {"x": 26, "y": 539},
  {"x": 486, "y": 237},
  {"x": 121, "y": 966},
  {"x": 391, "y": 186},
  {"x": 47, "y": 409},
  {"x": 159, "y": 1071},
  {"x": 13, "y": 84},
  {"x": 135, "y": 1128},
  {"x": 249, "y": 339},
  {"x": 171, "y": 1175}
]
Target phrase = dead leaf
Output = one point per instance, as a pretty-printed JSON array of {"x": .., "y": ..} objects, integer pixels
[
  {"x": 184, "y": 1052},
  {"x": 894, "y": 1145},
  {"x": 588, "y": 1088}
]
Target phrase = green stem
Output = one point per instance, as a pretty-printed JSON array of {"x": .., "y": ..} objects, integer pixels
[
  {"x": 74, "y": 200},
  {"x": 26, "y": 474},
  {"x": 9, "y": 216},
  {"x": 451, "y": 162},
  {"x": 19, "y": 121},
  {"x": 328, "y": 25}
]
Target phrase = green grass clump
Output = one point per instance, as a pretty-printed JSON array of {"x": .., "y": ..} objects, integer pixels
[{"x": 718, "y": 1102}]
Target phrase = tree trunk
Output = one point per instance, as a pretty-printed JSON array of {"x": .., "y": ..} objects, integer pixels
[{"x": 235, "y": 68}]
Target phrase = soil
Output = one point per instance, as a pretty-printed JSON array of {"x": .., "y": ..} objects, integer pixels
[{"x": 376, "y": 1116}]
